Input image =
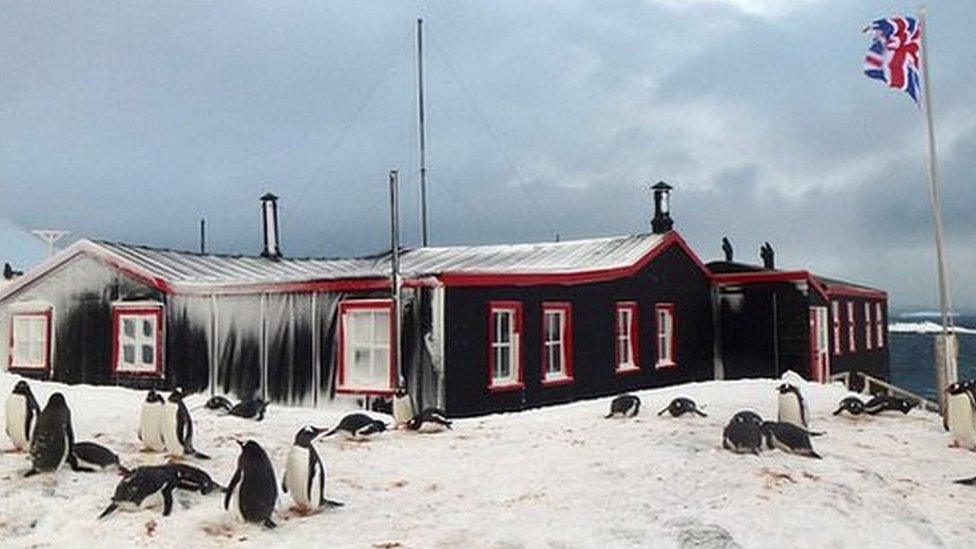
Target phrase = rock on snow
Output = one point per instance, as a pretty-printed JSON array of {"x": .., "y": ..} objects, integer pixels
[{"x": 556, "y": 477}]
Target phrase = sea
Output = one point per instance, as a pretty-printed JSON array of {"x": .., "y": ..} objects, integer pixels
[{"x": 912, "y": 349}]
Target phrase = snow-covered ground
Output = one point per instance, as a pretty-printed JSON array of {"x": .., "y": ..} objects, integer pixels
[{"x": 555, "y": 477}]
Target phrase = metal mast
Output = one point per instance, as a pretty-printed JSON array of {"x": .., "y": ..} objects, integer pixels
[
  {"x": 50, "y": 237},
  {"x": 423, "y": 133},
  {"x": 395, "y": 270}
]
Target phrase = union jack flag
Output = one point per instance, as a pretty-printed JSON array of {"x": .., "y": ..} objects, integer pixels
[{"x": 894, "y": 53}]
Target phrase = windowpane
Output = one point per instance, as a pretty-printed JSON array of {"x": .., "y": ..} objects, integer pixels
[
  {"x": 367, "y": 354},
  {"x": 503, "y": 334},
  {"x": 129, "y": 354},
  {"x": 148, "y": 355},
  {"x": 129, "y": 327}
]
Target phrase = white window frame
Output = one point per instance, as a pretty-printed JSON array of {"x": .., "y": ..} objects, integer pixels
[
  {"x": 511, "y": 345},
  {"x": 138, "y": 314},
  {"x": 561, "y": 347},
  {"x": 878, "y": 325},
  {"x": 835, "y": 326},
  {"x": 626, "y": 337},
  {"x": 664, "y": 335},
  {"x": 38, "y": 324},
  {"x": 851, "y": 342},
  {"x": 352, "y": 344},
  {"x": 868, "y": 326}
]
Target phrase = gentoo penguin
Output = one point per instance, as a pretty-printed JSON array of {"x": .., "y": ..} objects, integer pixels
[
  {"x": 883, "y": 403},
  {"x": 681, "y": 406},
  {"x": 358, "y": 425},
  {"x": 625, "y": 405},
  {"x": 430, "y": 420},
  {"x": 306, "y": 477},
  {"x": 852, "y": 405},
  {"x": 252, "y": 492},
  {"x": 143, "y": 488},
  {"x": 194, "y": 479},
  {"x": 792, "y": 406},
  {"x": 960, "y": 416},
  {"x": 22, "y": 412},
  {"x": 743, "y": 434},
  {"x": 96, "y": 456},
  {"x": 151, "y": 422},
  {"x": 177, "y": 427},
  {"x": 53, "y": 440},
  {"x": 218, "y": 402},
  {"x": 788, "y": 438},
  {"x": 250, "y": 409},
  {"x": 402, "y": 406}
]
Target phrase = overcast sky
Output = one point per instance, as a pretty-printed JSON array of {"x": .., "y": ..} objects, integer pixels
[{"x": 130, "y": 121}]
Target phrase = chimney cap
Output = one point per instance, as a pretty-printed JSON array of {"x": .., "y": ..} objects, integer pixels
[
  {"x": 269, "y": 196},
  {"x": 661, "y": 185}
]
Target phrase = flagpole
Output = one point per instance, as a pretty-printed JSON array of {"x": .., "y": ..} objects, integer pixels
[{"x": 945, "y": 361}]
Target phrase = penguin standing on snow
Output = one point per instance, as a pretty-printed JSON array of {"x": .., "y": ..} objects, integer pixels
[
  {"x": 358, "y": 425},
  {"x": 402, "y": 406},
  {"x": 151, "y": 422},
  {"x": 960, "y": 416},
  {"x": 681, "y": 406},
  {"x": 143, "y": 488},
  {"x": 625, "y": 405},
  {"x": 431, "y": 420},
  {"x": 306, "y": 477},
  {"x": 22, "y": 411},
  {"x": 252, "y": 491},
  {"x": 792, "y": 406},
  {"x": 53, "y": 440},
  {"x": 788, "y": 438},
  {"x": 177, "y": 427}
]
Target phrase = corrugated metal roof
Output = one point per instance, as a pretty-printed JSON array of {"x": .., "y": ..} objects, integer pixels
[{"x": 190, "y": 268}]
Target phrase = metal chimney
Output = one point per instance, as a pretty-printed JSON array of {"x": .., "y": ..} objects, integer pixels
[
  {"x": 272, "y": 240},
  {"x": 661, "y": 223}
]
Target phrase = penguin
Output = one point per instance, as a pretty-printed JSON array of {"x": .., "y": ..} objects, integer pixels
[
  {"x": 358, "y": 425},
  {"x": 143, "y": 488},
  {"x": 625, "y": 405},
  {"x": 22, "y": 411},
  {"x": 792, "y": 406},
  {"x": 789, "y": 438},
  {"x": 960, "y": 415},
  {"x": 96, "y": 456},
  {"x": 194, "y": 479},
  {"x": 249, "y": 409},
  {"x": 749, "y": 416},
  {"x": 53, "y": 439},
  {"x": 402, "y": 407},
  {"x": 218, "y": 402},
  {"x": 150, "y": 422},
  {"x": 431, "y": 420},
  {"x": 681, "y": 406},
  {"x": 177, "y": 427},
  {"x": 306, "y": 477},
  {"x": 743, "y": 434},
  {"x": 252, "y": 491},
  {"x": 884, "y": 403},
  {"x": 852, "y": 405}
]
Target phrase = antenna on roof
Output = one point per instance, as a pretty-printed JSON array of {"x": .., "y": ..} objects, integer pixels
[
  {"x": 423, "y": 133},
  {"x": 203, "y": 235},
  {"x": 50, "y": 237}
]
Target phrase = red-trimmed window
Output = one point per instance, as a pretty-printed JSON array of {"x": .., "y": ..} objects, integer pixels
[
  {"x": 878, "y": 325},
  {"x": 666, "y": 340},
  {"x": 137, "y": 348},
  {"x": 868, "y": 326},
  {"x": 626, "y": 340},
  {"x": 367, "y": 359},
  {"x": 557, "y": 343},
  {"x": 835, "y": 325},
  {"x": 30, "y": 341},
  {"x": 851, "y": 344},
  {"x": 504, "y": 345}
]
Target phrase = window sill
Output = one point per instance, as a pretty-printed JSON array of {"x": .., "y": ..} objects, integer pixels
[
  {"x": 557, "y": 381},
  {"x": 127, "y": 373},
  {"x": 627, "y": 370},
  {"x": 26, "y": 369},
  {"x": 665, "y": 366},
  {"x": 516, "y": 386},
  {"x": 363, "y": 391}
]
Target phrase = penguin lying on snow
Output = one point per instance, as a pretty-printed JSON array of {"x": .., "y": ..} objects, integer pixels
[
  {"x": 792, "y": 408},
  {"x": 218, "y": 402},
  {"x": 306, "y": 477},
  {"x": 54, "y": 438},
  {"x": 743, "y": 434},
  {"x": 177, "y": 428},
  {"x": 358, "y": 425},
  {"x": 852, "y": 405},
  {"x": 625, "y": 405},
  {"x": 788, "y": 438},
  {"x": 883, "y": 403},
  {"x": 429, "y": 421},
  {"x": 143, "y": 488},
  {"x": 402, "y": 406},
  {"x": 22, "y": 412},
  {"x": 681, "y": 406},
  {"x": 151, "y": 422},
  {"x": 252, "y": 491},
  {"x": 96, "y": 456},
  {"x": 194, "y": 479},
  {"x": 960, "y": 416},
  {"x": 250, "y": 409}
]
